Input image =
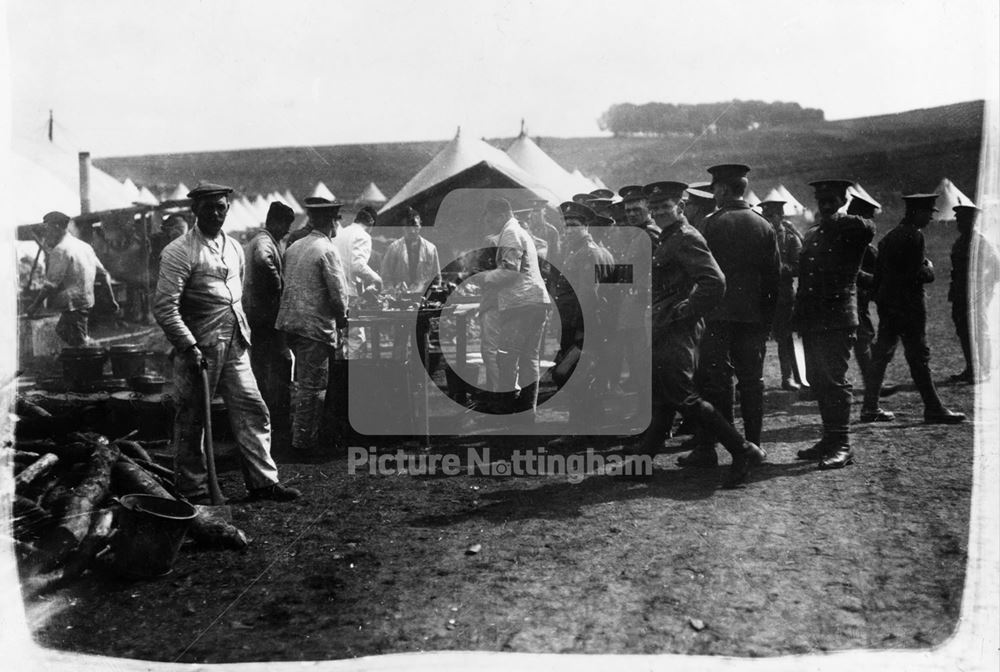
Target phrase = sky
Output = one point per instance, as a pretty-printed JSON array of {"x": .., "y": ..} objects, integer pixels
[{"x": 126, "y": 77}]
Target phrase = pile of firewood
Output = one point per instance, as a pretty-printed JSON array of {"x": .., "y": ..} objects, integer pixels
[{"x": 65, "y": 501}]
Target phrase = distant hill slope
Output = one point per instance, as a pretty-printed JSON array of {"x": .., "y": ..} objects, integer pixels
[{"x": 908, "y": 151}]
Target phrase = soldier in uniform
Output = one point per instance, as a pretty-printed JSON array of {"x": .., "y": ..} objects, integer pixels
[
  {"x": 581, "y": 257},
  {"x": 789, "y": 247},
  {"x": 542, "y": 228},
  {"x": 864, "y": 208},
  {"x": 700, "y": 203},
  {"x": 826, "y": 314},
  {"x": 900, "y": 275},
  {"x": 746, "y": 249},
  {"x": 635, "y": 310},
  {"x": 969, "y": 306},
  {"x": 687, "y": 284}
]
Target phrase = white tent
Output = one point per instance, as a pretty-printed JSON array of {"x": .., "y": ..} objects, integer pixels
[
  {"x": 792, "y": 205},
  {"x": 948, "y": 197},
  {"x": 292, "y": 203},
  {"x": 458, "y": 156},
  {"x": 371, "y": 195},
  {"x": 259, "y": 206},
  {"x": 239, "y": 218},
  {"x": 179, "y": 193},
  {"x": 529, "y": 156},
  {"x": 752, "y": 198},
  {"x": 598, "y": 182},
  {"x": 584, "y": 184},
  {"x": 322, "y": 191},
  {"x": 131, "y": 189},
  {"x": 45, "y": 176},
  {"x": 146, "y": 197}
]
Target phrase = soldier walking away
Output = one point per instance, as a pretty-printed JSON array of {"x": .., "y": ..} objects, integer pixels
[
  {"x": 971, "y": 292},
  {"x": 826, "y": 315},
  {"x": 900, "y": 275},
  {"x": 687, "y": 284},
  {"x": 313, "y": 313},
  {"x": 198, "y": 305},
  {"x": 789, "y": 248},
  {"x": 864, "y": 208},
  {"x": 745, "y": 246},
  {"x": 71, "y": 268},
  {"x": 270, "y": 358}
]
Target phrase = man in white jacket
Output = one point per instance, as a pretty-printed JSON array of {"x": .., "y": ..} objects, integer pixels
[{"x": 354, "y": 246}]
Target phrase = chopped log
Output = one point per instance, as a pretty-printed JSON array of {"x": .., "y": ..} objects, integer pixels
[
  {"x": 134, "y": 450},
  {"x": 129, "y": 478},
  {"x": 28, "y": 409},
  {"x": 38, "y": 468},
  {"x": 84, "y": 498},
  {"x": 96, "y": 540}
]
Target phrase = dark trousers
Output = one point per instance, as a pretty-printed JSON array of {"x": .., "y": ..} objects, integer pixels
[
  {"x": 910, "y": 329},
  {"x": 675, "y": 360},
  {"x": 271, "y": 362},
  {"x": 827, "y": 355},
  {"x": 735, "y": 347},
  {"x": 863, "y": 342},
  {"x": 960, "y": 316}
]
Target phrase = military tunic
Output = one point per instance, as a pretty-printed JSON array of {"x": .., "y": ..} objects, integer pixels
[
  {"x": 901, "y": 272},
  {"x": 826, "y": 314},
  {"x": 745, "y": 246},
  {"x": 584, "y": 263}
]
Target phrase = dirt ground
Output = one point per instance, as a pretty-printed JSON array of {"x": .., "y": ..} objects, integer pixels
[{"x": 872, "y": 556}]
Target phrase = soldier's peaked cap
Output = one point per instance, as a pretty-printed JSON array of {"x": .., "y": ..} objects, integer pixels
[
  {"x": 920, "y": 201},
  {"x": 578, "y": 211},
  {"x": 632, "y": 192},
  {"x": 862, "y": 206},
  {"x": 601, "y": 220},
  {"x": 773, "y": 203},
  {"x": 964, "y": 207},
  {"x": 603, "y": 193},
  {"x": 661, "y": 191},
  {"x": 583, "y": 199},
  {"x": 728, "y": 171},
  {"x": 835, "y": 185},
  {"x": 209, "y": 190}
]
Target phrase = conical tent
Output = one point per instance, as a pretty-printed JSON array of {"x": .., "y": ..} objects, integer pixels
[
  {"x": 598, "y": 182},
  {"x": 131, "y": 189},
  {"x": 789, "y": 209},
  {"x": 792, "y": 205},
  {"x": 752, "y": 198},
  {"x": 179, "y": 193},
  {"x": 322, "y": 191},
  {"x": 146, "y": 197},
  {"x": 260, "y": 206},
  {"x": 239, "y": 219},
  {"x": 948, "y": 197},
  {"x": 584, "y": 184},
  {"x": 371, "y": 195},
  {"x": 292, "y": 203},
  {"x": 529, "y": 156},
  {"x": 461, "y": 177}
]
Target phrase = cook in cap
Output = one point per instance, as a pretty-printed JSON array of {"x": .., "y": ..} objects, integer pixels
[{"x": 209, "y": 190}]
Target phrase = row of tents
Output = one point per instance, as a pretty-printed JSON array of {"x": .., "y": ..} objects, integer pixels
[{"x": 46, "y": 176}]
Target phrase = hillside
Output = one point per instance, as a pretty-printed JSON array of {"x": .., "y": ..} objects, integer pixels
[{"x": 909, "y": 151}]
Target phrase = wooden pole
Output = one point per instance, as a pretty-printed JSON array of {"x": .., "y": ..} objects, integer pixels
[{"x": 84, "y": 182}]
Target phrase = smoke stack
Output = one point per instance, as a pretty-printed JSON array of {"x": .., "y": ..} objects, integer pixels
[{"x": 84, "y": 182}]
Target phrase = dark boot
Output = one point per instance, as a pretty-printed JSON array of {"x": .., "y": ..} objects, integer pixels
[
  {"x": 817, "y": 451},
  {"x": 934, "y": 411},
  {"x": 745, "y": 455},
  {"x": 839, "y": 458},
  {"x": 752, "y": 411},
  {"x": 701, "y": 457}
]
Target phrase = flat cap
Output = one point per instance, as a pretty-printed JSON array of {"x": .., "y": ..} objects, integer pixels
[
  {"x": 603, "y": 193},
  {"x": 664, "y": 190},
  {"x": 209, "y": 190},
  {"x": 728, "y": 171},
  {"x": 920, "y": 201},
  {"x": 862, "y": 207},
  {"x": 56, "y": 217},
  {"x": 279, "y": 212},
  {"x": 834, "y": 185},
  {"x": 632, "y": 192},
  {"x": 577, "y": 211}
]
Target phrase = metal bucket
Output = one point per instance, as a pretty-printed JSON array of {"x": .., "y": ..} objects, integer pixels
[
  {"x": 128, "y": 361},
  {"x": 82, "y": 366},
  {"x": 149, "y": 534}
]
